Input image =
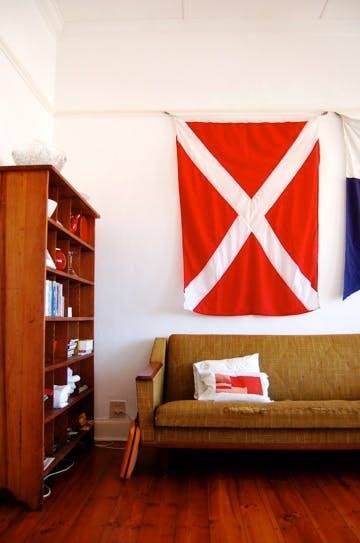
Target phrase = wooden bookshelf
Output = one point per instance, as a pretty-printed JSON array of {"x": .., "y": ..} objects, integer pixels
[
  {"x": 68, "y": 319},
  {"x": 33, "y": 345}
]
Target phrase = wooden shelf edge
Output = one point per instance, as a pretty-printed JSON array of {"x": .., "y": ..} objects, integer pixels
[
  {"x": 68, "y": 319},
  {"x": 60, "y": 178},
  {"x": 51, "y": 414},
  {"x": 68, "y": 361},
  {"x": 71, "y": 276},
  {"x": 59, "y": 227},
  {"x": 66, "y": 449}
]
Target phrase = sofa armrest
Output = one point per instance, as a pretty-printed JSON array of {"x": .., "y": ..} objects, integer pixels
[
  {"x": 150, "y": 389},
  {"x": 148, "y": 373}
]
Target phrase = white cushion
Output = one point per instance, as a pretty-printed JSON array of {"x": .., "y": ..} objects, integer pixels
[{"x": 227, "y": 366}]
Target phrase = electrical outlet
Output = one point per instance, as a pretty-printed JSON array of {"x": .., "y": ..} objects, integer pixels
[{"x": 117, "y": 409}]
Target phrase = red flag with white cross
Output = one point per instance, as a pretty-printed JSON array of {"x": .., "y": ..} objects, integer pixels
[{"x": 249, "y": 209}]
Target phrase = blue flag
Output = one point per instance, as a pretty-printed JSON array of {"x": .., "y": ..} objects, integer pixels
[{"x": 352, "y": 247}]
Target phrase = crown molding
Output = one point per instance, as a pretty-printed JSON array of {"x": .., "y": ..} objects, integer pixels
[
  {"x": 51, "y": 13},
  {"x": 285, "y": 26},
  {"x": 220, "y": 115},
  {"x": 26, "y": 77}
]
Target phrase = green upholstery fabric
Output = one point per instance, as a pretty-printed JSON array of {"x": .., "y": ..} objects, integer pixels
[
  {"x": 283, "y": 414},
  {"x": 300, "y": 367}
]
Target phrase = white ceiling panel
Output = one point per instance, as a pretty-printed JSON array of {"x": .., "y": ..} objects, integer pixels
[
  {"x": 342, "y": 9},
  {"x": 103, "y": 10},
  {"x": 269, "y": 9}
]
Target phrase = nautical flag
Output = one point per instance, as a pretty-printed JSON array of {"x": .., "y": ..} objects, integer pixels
[
  {"x": 249, "y": 208},
  {"x": 352, "y": 245}
]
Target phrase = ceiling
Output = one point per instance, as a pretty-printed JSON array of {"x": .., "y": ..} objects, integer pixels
[{"x": 127, "y": 10}]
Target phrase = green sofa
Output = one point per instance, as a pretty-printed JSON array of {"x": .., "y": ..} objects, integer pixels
[{"x": 314, "y": 382}]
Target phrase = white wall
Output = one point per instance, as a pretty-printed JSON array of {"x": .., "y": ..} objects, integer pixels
[
  {"x": 27, "y": 75},
  {"x": 127, "y": 163}
]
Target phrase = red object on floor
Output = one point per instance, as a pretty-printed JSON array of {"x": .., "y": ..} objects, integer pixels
[{"x": 131, "y": 451}]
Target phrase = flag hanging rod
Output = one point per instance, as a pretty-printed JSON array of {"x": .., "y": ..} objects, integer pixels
[
  {"x": 198, "y": 112},
  {"x": 255, "y": 113}
]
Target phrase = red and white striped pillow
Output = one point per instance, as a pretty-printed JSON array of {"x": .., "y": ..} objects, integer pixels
[
  {"x": 236, "y": 379},
  {"x": 238, "y": 384}
]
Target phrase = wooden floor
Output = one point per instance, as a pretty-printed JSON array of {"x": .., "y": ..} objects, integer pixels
[{"x": 207, "y": 496}]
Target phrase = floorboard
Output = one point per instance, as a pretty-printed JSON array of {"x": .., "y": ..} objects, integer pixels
[{"x": 206, "y": 496}]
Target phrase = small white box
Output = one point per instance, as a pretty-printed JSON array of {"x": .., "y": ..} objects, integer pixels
[{"x": 86, "y": 346}]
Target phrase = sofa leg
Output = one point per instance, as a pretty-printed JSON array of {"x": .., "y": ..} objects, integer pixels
[{"x": 164, "y": 462}]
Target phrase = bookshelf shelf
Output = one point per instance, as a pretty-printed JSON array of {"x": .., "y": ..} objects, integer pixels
[
  {"x": 72, "y": 277},
  {"x": 52, "y": 413},
  {"x": 68, "y": 319},
  {"x": 64, "y": 233},
  {"x": 68, "y": 362},
  {"x": 37, "y": 345}
]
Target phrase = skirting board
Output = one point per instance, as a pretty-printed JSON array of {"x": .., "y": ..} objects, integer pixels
[{"x": 112, "y": 429}]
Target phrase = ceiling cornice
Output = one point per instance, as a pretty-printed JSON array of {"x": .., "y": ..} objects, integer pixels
[
  {"x": 26, "y": 76},
  {"x": 51, "y": 13},
  {"x": 321, "y": 27}
]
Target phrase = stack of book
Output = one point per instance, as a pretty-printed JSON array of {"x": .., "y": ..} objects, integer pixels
[
  {"x": 72, "y": 347},
  {"x": 86, "y": 346},
  {"x": 54, "y": 299}
]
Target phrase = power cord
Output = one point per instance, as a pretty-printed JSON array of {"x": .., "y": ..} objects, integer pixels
[
  {"x": 46, "y": 491},
  {"x": 109, "y": 445},
  {"x": 46, "y": 488}
]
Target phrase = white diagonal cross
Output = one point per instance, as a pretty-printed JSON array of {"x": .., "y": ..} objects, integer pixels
[{"x": 250, "y": 215}]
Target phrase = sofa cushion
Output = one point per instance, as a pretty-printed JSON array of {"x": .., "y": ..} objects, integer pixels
[
  {"x": 299, "y": 367},
  {"x": 232, "y": 366},
  {"x": 283, "y": 414}
]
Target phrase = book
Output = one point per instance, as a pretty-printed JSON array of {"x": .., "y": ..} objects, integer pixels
[
  {"x": 131, "y": 450},
  {"x": 72, "y": 348},
  {"x": 47, "y": 298},
  {"x": 86, "y": 346},
  {"x": 134, "y": 453},
  {"x": 54, "y": 299}
]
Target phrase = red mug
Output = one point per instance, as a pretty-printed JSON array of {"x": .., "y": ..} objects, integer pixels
[{"x": 60, "y": 259}]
